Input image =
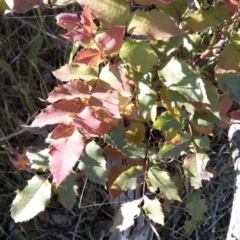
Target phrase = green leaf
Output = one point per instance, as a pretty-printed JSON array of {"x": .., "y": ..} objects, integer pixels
[
  {"x": 135, "y": 152},
  {"x": 139, "y": 55},
  {"x": 126, "y": 215},
  {"x": 146, "y": 98},
  {"x": 174, "y": 147},
  {"x": 32, "y": 200},
  {"x": 155, "y": 24},
  {"x": 7, "y": 67},
  {"x": 67, "y": 191},
  {"x": 39, "y": 160},
  {"x": 166, "y": 122},
  {"x": 116, "y": 137},
  {"x": 230, "y": 84},
  {"x": 202, "y": 142},
  {"x": 128, "y": 179},
  {"x": 153, "y": 210},
  {"x": 228, "y": 60},
  {"x": 93, "y": 164},
  {"x": 35, "y": 47},
  {"x": 196, "y": 206},
  {"x": 135, "y": 133},
  {"x": 158, "y": 178},
  {"x": 178, "y": 76},
  {"x": 194, "y": 166}
]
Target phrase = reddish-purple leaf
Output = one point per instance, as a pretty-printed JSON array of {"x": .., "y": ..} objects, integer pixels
[
  {"x": 116, "y": 79},
  {"x": 63, "y": 131},
  {"x": 63, "y": 155},
  {"x": 103, "y": 99},
  {"x": 89, "y": 56},
  {"x": 68, "y": 21},
  {"x": 23, "y": 6},
  {"x": 58, "y": 112},
  {"x": 87, "y": 122},
  {"x": 87, "y": 21},
  {"x": 70, "y": 90},
  {"x": 111, "y": 40},
  {"x": 77, "y": 35}
]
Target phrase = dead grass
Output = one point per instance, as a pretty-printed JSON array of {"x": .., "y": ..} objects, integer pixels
[{"x": 25, "y": 74}]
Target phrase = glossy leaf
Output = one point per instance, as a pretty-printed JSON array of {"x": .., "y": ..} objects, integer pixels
[
  {"x": 194, "y": 166},
  {"x": 153, "y": 210},
  {"x": 159, "y": 179},
  {"x": 128, "y": 180},
  {"x": 93, "y": 164},
  {"x": 32, "y": 200}
]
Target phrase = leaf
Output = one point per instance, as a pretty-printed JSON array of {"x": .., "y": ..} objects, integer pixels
[
  {"x": 111, "y": 40},
  {"x": 22, "y": 6},
  {"x": 108, "y": 12},
  {"x": 202, "y": 142},
  {"x": 75, "y": 71},
  {"x": 229, "y": 83},
  {"x": 232, "y": 4},
  {"x": 155, "y": 24},
  {"x": 228, "y": 60},
  {"x": 93, "y": 164},
  {"x": 132, "y": 151},
  {"x": 113, "y": 173},
  {"x": 178, "y": 76},
  {"x": 7, "y": 67},
  {"x": 158, "y": 178},
  {"x": 32, "y": 200},
  {"x": 153, "y": 210},
  {"x": 135, "y": 133},
  {"x": 128, "y": 180},
  {"x": 68, "y": 21},
  {"x": 87, "y": 20},
  {"x": 126, "y": 215},
  {"x": 115, "y": 136},
  {"x": 63, "y": 131},
  {"x": 194, "y": 166},
  {"x": 225, "y": 104},
  {"x": 39, "y": 160},
  {"x": 58, "y": 112},
  {"x": 69, "y": 91},
  {"x": 167, "y": 122},
  {"x": 64, "y": 153},
  {"x": 196, "y": 206},
  {"x": 89, "y": 56},
  {"x": 139, "y": 55},
  {"x": 150, "y": 2},
  {"x": 174, "y": 147},
  {"x": 146, "y": 98},
  {"x": 67, "y": 191},
  {"x": 115, "y": 77}
]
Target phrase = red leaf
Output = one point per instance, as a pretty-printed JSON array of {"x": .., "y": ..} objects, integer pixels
[
  {"x": 103, "y": 99},
  {"x": 235, "y": 115},
  {"x": 64, "y": 153},
  {"x": 87, "y": 122},
  {"x": 116, "y": 79},
  {"x": 77, "y": 35},
  {"x": 70, "y": 90},
  {"x": 87, "y": 21},
  {"x": 89, "y": 56},
  {"x": 68, "y": 21},
  {"x": 232, "y": 4},
  {"x": 63, "y": 131},
  {"x": 111, "y": 40},
  {"x": 58, "y": 112},
  {"x": 225, "y": 104},
  {"x": 23, "y": 6}
]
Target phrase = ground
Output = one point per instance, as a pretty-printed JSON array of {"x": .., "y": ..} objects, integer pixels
[{"x": 25, "y": 83}]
